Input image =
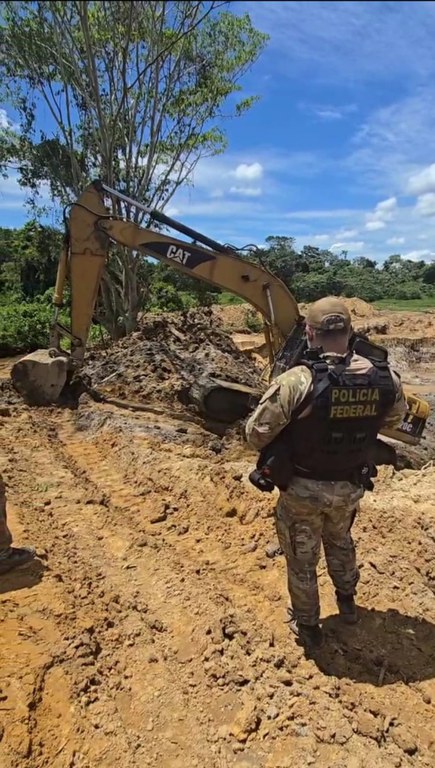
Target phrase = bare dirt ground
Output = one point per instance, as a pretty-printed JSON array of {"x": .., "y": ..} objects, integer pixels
[{"x": 151, "y": 631}]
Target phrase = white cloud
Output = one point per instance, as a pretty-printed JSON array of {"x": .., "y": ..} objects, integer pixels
[
  {"x": 172, "y": 211},
  {"x": 344, "y": 234},
  {"x": 347, "y": 42},
  {"x": 384, "y": 211},
  {"x": 423, "y": 181},
  {"x": 420, "y": 255},
  {"x": 386, "y": 208},
  {"x": 246, "y": 191},
  {"x": 372, "y": 226},
  {"x": 351, "y": 246},
  {"x": 320, "y": 238},
  {"x": 426, "y": 204},
  {"x": 395, "y": 241},
  {"x": 6, "y": 121},
  {"x": 248, "y": 171},
  {"x": 327, "y": 111},
  {"x": 334, "y": 213},
  {"x": 13, "y": 197},
  {"x": 387, "y": 153},
  {"x": 223, "y": 207}
]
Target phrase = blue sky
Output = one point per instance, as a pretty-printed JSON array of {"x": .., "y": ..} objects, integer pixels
[{"x": 340, "y": 150}]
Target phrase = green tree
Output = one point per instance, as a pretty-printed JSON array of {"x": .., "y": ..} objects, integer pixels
[
  {"x": 28, "y": 259},
  {"x": 137, "y": 93},
  {"x": 428, "y": 274}
]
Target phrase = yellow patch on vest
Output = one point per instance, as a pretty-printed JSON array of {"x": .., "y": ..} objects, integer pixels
[{"x": 355, "y": 403}]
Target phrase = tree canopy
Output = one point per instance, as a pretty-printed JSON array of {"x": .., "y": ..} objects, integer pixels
[
  {"x": 28, "y": 260},
  {"x": 136, "y": 93}
]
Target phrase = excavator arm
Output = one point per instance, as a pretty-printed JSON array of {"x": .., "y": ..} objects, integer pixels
[
  {"x": 91, "y": 232},
  {"x": 93, "y": 227}
]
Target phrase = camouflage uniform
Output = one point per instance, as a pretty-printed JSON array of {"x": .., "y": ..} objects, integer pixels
[
  {"x": 311, "y": 511},
  {"x": 5, "y": 534}
]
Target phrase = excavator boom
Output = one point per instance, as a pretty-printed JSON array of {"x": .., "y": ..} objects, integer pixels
[{"x": 93, "y": 227}]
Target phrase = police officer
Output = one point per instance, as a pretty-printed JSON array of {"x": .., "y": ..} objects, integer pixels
[
  {"x": 10, "y": 557},
  {"x": 329, "y": 412}
]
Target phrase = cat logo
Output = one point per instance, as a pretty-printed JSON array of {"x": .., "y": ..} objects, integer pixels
[
  {"x": 178, "y": 254},
  {"x": 192, "y": 258}
]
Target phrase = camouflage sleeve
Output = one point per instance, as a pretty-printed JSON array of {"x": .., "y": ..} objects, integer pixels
[
  {"x": 275, "y": 408},
  {"x": 398, "y": 410}
]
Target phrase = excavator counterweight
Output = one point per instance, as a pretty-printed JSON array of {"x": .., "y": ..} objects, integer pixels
[{"x": 92, "y": 228}]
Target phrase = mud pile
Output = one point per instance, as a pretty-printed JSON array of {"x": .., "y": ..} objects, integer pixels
[
  {"x": 235, "y": 317},
  {"x": 160, "y": 362}
]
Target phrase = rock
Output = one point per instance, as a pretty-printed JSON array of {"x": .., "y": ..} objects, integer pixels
[
  {"x": 343, "y": 733},
  {"x": 247, "y": 721},
  {"x": 215, "y": 446},
  {"x": 231, "y": 512},
  {"x": 285, "y": 678},
  {"x": 426, "y": 698},
  {"x": 182, "y": 530},
  {"x": 238, "y": 476},
  {"x": 404, "y": 740},
  {"x": 4, "y": 410},
  {"x": 222, "y": 732},
  {"x": 273, "y": 550},
  {"x": 272, "y": 712},
  {"x": 251, "y": 547},
  {"x": 230, "y": 631},
  {"x": 368, "y": 726},
  {"x": 159, "y": 517}
]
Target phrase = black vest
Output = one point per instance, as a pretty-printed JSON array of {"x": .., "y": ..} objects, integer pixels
[{"x": 335, "y": 440}]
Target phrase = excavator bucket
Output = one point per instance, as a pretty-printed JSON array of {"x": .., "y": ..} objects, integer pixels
[{"x": 39, "y": 377}]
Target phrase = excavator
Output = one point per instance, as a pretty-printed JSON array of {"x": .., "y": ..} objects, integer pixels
[{"x": 93, "y": 227}]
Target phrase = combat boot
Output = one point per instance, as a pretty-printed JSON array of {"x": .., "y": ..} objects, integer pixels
[
  {"x": 346, "y": 608},
  {"x": 310, "y": 635},
  {"x": 16, "y": 557}
]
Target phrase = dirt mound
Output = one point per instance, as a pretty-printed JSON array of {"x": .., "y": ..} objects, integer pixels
[
  {"x": 357, "y": 307},
  {"x": 161, "y": 361},
  {"x": 360, "y": 308},
  {"x": 238, "y": 318}
]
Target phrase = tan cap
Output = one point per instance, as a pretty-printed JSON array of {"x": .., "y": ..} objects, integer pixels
[{"x": 328, "y": 314}]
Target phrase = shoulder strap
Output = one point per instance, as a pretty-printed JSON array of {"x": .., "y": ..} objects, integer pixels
[{"x": 323, "y": 377}]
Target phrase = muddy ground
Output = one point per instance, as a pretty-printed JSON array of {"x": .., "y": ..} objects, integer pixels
[{"x": 151, "y": 631}]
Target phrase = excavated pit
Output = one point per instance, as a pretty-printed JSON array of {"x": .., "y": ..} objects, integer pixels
[{"x": 152, "y": 631}]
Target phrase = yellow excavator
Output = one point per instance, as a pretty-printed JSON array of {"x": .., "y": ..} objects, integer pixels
[{"x": 91, "y": 230}]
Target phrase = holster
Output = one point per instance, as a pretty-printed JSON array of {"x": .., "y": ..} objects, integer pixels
[{"x": 274, "y": 468}]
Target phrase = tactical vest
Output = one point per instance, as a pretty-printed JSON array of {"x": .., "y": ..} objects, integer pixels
[{"x": 335, "y": 440}]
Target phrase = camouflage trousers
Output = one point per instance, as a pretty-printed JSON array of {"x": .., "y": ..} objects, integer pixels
[
  {"x": 5, "y": 534},
  {"x": 309, "y": 513}
]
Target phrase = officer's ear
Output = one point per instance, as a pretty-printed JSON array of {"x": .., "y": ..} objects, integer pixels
[{"x": 309, "y": 332}]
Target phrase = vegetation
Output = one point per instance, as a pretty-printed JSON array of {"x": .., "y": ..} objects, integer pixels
[
  {"x": 314, "y": 272},
  {"x": 137, "y": 93},
  {"x": 137, "y": 97},
  {"x": 28, "y": 259}
]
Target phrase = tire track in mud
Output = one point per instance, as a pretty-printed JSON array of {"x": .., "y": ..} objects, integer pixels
[{"x": 152, "y": 632}]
